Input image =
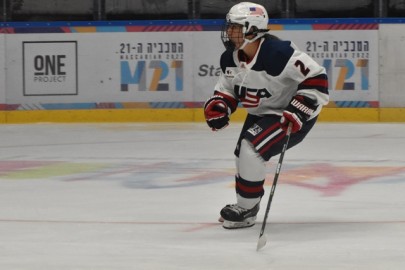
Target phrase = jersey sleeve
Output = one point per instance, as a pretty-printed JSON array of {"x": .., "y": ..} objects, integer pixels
[
  {"x": 310, "y": 76},
  {"x": 224, "y": 87}
]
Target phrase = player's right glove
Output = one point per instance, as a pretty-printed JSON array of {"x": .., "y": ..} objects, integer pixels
[
  {"x": 217, "y": 110},
  {"x": 297, "y": 112}
]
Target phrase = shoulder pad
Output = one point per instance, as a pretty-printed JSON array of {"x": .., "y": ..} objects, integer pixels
[
  {"x": 274, "y": 55},
  {"x": 227, "y": 60}
]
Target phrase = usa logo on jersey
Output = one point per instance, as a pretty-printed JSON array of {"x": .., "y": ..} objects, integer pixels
[{"x": 250, "y": 97}]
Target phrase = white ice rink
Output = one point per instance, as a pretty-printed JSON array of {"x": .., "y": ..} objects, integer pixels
[{"x": 148, "y": 196}]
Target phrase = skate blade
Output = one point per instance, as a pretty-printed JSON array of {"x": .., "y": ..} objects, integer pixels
[{"x": 249, "y": 222}]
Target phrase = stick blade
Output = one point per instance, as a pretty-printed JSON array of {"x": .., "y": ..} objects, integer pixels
[{"x": 261, "y": 242}]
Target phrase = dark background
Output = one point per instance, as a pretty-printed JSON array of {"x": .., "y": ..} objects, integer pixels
[{"x": 97, "y": 10}]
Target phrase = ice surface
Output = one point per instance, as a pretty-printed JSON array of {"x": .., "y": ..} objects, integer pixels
[{"x": 147, "y": 196}]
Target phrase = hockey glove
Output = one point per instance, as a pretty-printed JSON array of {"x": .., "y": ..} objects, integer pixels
[
  {"x": 297, "y": 112},
  {"x": 216, "y": 112}
]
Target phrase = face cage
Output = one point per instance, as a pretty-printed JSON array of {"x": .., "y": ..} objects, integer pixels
[{"x": 229, "y": 45}]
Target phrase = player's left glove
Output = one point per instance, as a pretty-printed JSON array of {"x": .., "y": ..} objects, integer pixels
[{"x": 297, "y": 112}]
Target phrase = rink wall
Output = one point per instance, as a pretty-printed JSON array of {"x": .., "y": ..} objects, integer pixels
[{"x": 154, "y": 71}]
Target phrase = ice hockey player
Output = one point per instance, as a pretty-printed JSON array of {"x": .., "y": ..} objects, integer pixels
[{"x": 277, "y": 84}]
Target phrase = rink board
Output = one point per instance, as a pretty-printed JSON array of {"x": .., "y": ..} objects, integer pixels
[{"x": 165, "y": 70}]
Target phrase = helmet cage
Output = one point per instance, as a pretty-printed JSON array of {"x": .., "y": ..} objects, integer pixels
[{"x": 249, "y": 34}]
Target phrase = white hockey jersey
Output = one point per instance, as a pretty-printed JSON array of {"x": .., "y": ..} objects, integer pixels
[{"x": 267, "y": 83}]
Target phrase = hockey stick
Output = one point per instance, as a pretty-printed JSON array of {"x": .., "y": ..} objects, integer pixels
[{"x": 262, "y": 237}]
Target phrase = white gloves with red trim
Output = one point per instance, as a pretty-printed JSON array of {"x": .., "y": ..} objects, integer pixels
[{"x": 297, "y": 112}]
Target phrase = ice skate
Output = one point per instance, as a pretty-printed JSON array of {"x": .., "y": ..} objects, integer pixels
[{"x": 236, "y": 217}]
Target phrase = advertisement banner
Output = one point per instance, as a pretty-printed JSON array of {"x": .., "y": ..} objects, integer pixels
[
  {"x": 97, "y": 67},
  {"x": 349, "y": 56},
  {"x": 49, "y": 68},
  {"x": 166, "y": 69}
]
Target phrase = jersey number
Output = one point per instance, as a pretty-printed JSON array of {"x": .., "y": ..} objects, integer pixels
[{"x": 304, "y": 70}]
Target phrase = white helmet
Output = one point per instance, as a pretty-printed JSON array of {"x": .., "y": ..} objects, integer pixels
[{"x": 253, "y": 17}]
